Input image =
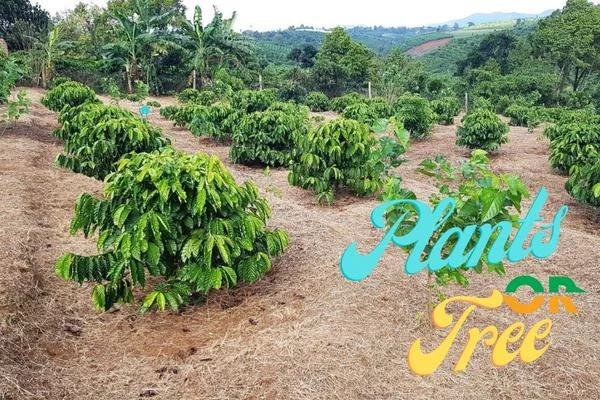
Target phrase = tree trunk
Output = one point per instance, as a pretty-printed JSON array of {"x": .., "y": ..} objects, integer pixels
[
  {"x": 44, "y": 83},
  {"x": 194, "y": 79},
  {"x": 128, "y": 76}
]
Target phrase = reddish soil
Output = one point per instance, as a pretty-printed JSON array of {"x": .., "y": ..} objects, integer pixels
[
  {"x": 428, "y": 47},
  {"x": 303, "y": 332}
]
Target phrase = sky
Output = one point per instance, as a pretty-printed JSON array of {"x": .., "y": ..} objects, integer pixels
[{"x": 273, "y": 14}]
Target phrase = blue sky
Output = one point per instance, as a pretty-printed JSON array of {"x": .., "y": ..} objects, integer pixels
[{"x": 274, "y": 14}]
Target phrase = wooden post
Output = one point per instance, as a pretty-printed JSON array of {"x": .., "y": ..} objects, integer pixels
[
  {"x": 260, "y": 82},
  {"x": 370, "y": 94},
  {"x": 466, "y": 102}
]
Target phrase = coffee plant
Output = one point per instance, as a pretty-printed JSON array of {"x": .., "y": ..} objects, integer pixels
[
  {"x": 339, "y": 153},
  {"x": 204, "y": 97},
  {"x": 523, "y": 116},
  {"x": 317, "y": 101},
  {"x": 482, "y": 129},
  {"x": 584, "y": 183},
  {"x": 97, "y": 136},
  {"x": 339, "y": 104},
  {"x": 382, "y": 108},
  {"x": 574, "y": 144},
  {"x": 267, "y": 138},
  {"x": 445, "y": 108},
  {"x": 68, "y": 94},
  {"x": 361, "y": 112},
  {"x": 416, "y": 115},
  {"x": 179, "y": 218},
  {"x": 481, "y": 196},
  {"x": 250, "y": 101}
]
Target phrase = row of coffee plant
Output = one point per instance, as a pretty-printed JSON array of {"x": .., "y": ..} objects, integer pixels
[
  {"x": 575, "y": 150},
  {"x": 179, "y": 218}
]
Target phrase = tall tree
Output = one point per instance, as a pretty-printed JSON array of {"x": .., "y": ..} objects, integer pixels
[
  {"x": 571, "y": 38},
  {"x": 21, "y": 22},
  {"x": 341, "y": 64},
  {"x": 397, "y": 74},
  {"x": 214, "y": 44},
  {"x": 496, "y": 46}
]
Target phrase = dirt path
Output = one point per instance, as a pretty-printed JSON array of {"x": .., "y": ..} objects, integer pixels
[{"x": 303, "y": 332}]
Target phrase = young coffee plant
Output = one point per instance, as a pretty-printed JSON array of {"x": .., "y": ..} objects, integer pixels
[
  {"x": 267, "y": 138},
  {"x": 97, "y": 136},
  {"x": 446, "y": 108},
  {"x": 361, "y": 112},
  {"x": 169, "y": 112},
  {"x": 416, "y": 115},
  {"x": 317, "y": 101},
  {"x": 16, "y": 108},
  {"x": 480, "y": 195},
  {"x": 574, "y": 144},
  {"x": 382, "y": 108},
  {"x": 523, "y": 116},
  {"x": 204, "y": 97},
  {"x": 142, "y": 90},
  {"x": 153, "y": 103},
  {"x": 482, "y": 129},
  {"x": 176, "y": 217},
  {"x": 339, "y": 153},
  {"x": 584, "y": 183},
  {"x": 217, "y": 123},
  {"x": 339, "y": 104},
  {"x": 68, "y": 94},
  {"x": 250, "y": 101}
]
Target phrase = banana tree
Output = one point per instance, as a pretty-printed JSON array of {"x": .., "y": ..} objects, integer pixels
[
  {"x": 214, "y": 44},
  {"x": 49, "y": 48},
  {"x": 136, "y": 35}
]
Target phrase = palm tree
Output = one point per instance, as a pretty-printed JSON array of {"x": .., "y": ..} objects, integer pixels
[{"x": 214, "y": 44}]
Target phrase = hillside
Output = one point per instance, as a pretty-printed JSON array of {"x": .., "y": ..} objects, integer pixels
[{"x": 486, "y": 18}]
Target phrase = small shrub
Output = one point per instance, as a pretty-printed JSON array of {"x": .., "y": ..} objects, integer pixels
[
  {"x": 382, "y": 108},
  {"x": 188, "y": 95},
  {"x": 180, "y": 218},
  {"x": 339, "y": 153},
  {"x": 169, "y": 112},
  {"x": 98, "y": 136},
  {"x": 317, "y": 101},
  {"x": 153, "y": 103},
  {"x": 361, "y": 112},
  {"x": 250, "y": 101},
  {"x": 482, "y": 129},
  {"x": 480, "y": 196},
  {"x": 584, "y": 183},
  {"x": 522, "y": 115},
  {"x": 267, "y": 137},
  {"x": 58, "y": 80},
  {"x": 482, "y": 103},
  {"x": 15, "y": 109},
  {"x": 68, "y": 94},
  {"x": 292, "y": 91},
  {"x": 446, "y": 109},
  {"x": 574, "y": 144},
  {"x": 416, "y": 115},
  {"x": 339, "y": 104}
]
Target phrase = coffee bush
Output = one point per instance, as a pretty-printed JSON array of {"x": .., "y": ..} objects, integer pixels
[
  {"x": 179, "y": 218},
  {"x": 482, "y": 129}
]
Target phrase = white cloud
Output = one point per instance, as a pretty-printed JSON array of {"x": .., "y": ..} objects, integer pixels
[{"x": 274, "y": 14}]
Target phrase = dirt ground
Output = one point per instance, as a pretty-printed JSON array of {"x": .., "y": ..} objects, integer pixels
[
  {"x": 428, "y": 47},
  {"x": 303, "y": 332}
]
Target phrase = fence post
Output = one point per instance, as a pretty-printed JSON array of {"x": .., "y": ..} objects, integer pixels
[
  {"x": 466, "y": 102},
  {"x": 370, "y": 90},
  {"x": 260, "y": 83}
]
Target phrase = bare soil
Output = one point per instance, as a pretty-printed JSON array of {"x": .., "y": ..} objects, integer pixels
[
  {"x": 303, "y": 332},
  {"x": 428, "y": 47}
]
